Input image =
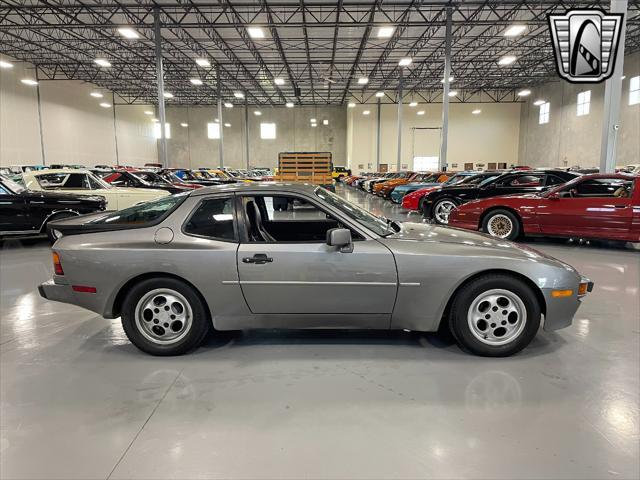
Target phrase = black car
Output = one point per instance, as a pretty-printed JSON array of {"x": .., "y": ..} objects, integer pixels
[
  {"x": 142, "y": 179},
  {"x": 437, "y": 204},
  {"x": 26, "y": 213}
]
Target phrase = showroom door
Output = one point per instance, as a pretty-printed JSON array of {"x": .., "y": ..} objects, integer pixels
[{"x": 285, "y": 265}]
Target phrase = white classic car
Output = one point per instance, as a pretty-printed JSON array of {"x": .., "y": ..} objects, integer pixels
[{"x": 81, "y": 181}]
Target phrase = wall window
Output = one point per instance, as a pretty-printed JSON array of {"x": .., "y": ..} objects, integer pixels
[
  {"x": 213, "y": 131},
  {"x": 268, "y": 131},
  {"x": 544, "y": 113},
  {"x": 584, "y": 100},
  {"x": 156, "y": 130},
  {"x": 634, "y": 91}
]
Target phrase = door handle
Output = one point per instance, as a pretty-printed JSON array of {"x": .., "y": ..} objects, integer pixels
[{"x": 258, "y": 259}]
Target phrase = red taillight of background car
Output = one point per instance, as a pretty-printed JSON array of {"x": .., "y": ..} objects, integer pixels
[{"x": 57, "y": 266}]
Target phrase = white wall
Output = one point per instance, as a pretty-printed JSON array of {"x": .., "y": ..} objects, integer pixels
[{"x": 491, "y": 136}]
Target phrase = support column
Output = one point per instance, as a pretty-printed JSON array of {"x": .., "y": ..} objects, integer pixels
[
  {"x": 44, "y": 159},
  {"x": 246, "y": 130},
  {"x": 612, "y": 99},
  {"x": 220, "y": 122},
  {"x": 445, "y": 94},
  {"x": 399, "y": 159},
  {"x": 157, "y": 37},
  {"x": 378, "y": 135},
  {"x": 115, "y": 130}
]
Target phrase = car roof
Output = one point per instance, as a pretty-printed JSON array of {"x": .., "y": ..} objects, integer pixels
[
  {"x": 625, "y": 176},
  {"x": 59, "y": 170},
  {"x": 260, "y": 186}
]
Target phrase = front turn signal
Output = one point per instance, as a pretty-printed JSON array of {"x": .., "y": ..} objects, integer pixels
[
  {"x": 561, "y": 293},
  {"x": 57, "y": 266}
]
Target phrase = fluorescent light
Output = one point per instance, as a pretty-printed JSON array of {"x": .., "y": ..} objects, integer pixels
[
  {"x": 363, "y": 81},
  {"x": 148, "y": 112},
  {"x": 184, "y": 125},
  {"x": 366, "y": 112},
  {"x": 96, "y": 95},
  {"x": 278, "y": 81},
  {"x": 537, "y": 103},
  {"x": 289, "y": 104},
  {"x": 453, "y": 93},
  {"x": 195, "y": 81},
  {"x": 507, "y": 60},
  {"x": 227, "y": 125},
  {"x": 514, "y": 30},
  {"x": 105, "y": 105},
  {"x": 129, "y": 33},
  {"x": 314, "y": 124},
  {"x": 420, "y": 112},
  {"x": 405, "y": 62},
  {"x": 154, "y": 120},
  {"x": 203, "y": 62},
  {"x": 167, "y": 95},
  {"x": 257, "y": 113},
  {"x": 101, "y": 62},
  {"x": 29, "y": 81},
  {"x": 238, "y": 94},
  {"x": 413, "y": 104},
  {"x": 325, "y": 122},
  {"x": 386, "y": 32},
  {"x": 524, "y": 93},
  {"x": 450, "y": 79},
  {"x": 255, "y": 32},
  {"x": 313, "y": 120},
  {"x": 477, "y": 111},
  {"x": 213, "y": 131},
  {"x": 4, "y": 64},
  {"x": 379, "y": 94},
  {"x": 228, "y": 105},
  {"x": 621, "y": 78},
  {"x": 351, "y": 105}
]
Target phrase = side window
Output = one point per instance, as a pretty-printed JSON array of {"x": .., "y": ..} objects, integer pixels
[
  {"x": 213, "y": 218},
  {"x": 554, "y": 180},
  {"x": 52, "y": 180},
  {"x": 3, "y": 191},
  {"x": 287, "y": 219},
  {"x": 604, "y": 187},
  {"x": 525, "y": 181}
]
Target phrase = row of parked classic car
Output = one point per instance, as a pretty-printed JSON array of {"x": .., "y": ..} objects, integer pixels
[
  {"x": 31, "y": 198},
  {"x": 510, "y": 204}
]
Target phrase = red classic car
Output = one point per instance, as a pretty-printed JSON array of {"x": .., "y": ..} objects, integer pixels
[{"x": 604, "y": 206}]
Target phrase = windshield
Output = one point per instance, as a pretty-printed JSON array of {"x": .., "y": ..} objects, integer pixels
[
  {"x": 143, "y": 212},
  {"x": 71, "y": 181},
  {"x": 369, "y": 220},
  {"x": 150, "y": 178},
  {"x": 13, "y": 186}
]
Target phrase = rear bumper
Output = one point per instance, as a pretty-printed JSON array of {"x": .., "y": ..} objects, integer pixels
[
  {"x": 55, "y": 292},
  {"x": 63, "y": 293}
]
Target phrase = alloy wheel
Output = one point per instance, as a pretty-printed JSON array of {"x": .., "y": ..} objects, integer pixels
[
  {"x": 442, "y": 211},
  {"x": 497, "y": 317},
  {"x": 500, "y": 226},
  {"x": 163, "y": 316}
]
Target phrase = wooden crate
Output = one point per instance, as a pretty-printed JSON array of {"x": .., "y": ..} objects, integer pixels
[{"x": 305, "y": 167}]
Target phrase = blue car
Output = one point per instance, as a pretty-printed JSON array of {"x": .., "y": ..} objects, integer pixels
[{"x": 401, "y": 190}]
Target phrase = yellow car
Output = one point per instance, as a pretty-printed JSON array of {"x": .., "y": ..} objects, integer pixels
[{"x": 339, "y": 173}]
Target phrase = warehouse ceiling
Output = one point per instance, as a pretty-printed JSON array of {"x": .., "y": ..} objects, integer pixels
[{"x": 317, "y": 49}]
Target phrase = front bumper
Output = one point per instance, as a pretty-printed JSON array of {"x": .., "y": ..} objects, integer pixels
[{"x": 561, "y": 310}]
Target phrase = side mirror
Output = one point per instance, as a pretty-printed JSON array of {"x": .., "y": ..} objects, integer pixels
[
  {"x": 554, "y": 196},
  {"x": 340, "y": 237}
]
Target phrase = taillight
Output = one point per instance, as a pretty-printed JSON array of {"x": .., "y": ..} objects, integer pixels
[{"x": 57, "y": 266}]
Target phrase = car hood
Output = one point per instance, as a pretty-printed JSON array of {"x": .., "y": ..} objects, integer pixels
[
  {"x": 418, "y": 185},
  {"x": 68, "y": 197}
]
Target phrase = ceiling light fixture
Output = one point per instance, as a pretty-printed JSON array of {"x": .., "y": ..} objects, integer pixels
[
  {"x": 196, "y": 81},
  {"x": 278, "y": 81},
  {"x": 405, "y": 62},
  {"x": 228, "y": 105},
  {"x": 514, "y": 30},
  {"x": 101, "y": 62},
  {"x": 203, "y": 62},
  {"x": 325, "y": 122},
  {"x": 420, "y": 112},
  {"x": 167, "y": 95},
  {"x": 184, "y": 125},
  {"x": 238, "y": 94},
  {"x": 450, "y": 79},
  {"x": 351, "y": 105},
  {"x": 453, "y": 93},
  {"x": 105, "y": 105},
  {"x": 386, "y": 32},
  {"x": 366, "y": 112},
  {"x": 289, "y": 104},
  {"x": 227, "y": 125},
  {"x": 255, "y": 32},
  {"x": 29, "y": 81},
  {"x": 537, "y": 103},
  {"x": 477, "y": 111},
  {"x": 96, "y": 95},
  {"x": 413, "y": 104},
  {"x": 155, "y": 120},
  {"x": 128, "y": 33},
  {"x": 257, "y": 113},
  {"x": 5, "y": 64},
  {"x": 379, "y": 94},
  {"x": 363, "y": 81},
  {"x": 524, "y": 93},
  {"x": 313, "y": 120},
  {"x": 148, "y": 112},
  {"x": 507, "y": 60}
]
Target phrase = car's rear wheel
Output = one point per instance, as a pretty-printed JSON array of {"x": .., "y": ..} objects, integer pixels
[
  {"x": 495, "y": 315},
  {"x": 165, "y": 316},
  {"x": 441, "y": 210},
  {"x": 502, "y": 224}
]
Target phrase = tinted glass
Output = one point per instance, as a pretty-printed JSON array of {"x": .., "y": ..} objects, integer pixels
[
  {"x": 604, "y": 187},
  {"x": 142, "y": 213},
  {"x": 213, "y": 218}
]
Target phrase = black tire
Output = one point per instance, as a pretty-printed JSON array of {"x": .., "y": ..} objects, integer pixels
[
  {"x": 437, "y": 204},
  {"x": 514, "y": 228},
  {"x": 58, "y": 216},
  {"x": 200, "y": 322},
  {"x": 469, "y": 294}
]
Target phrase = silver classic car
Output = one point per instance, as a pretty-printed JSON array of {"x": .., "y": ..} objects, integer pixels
[{"x": 273, "y": 255}]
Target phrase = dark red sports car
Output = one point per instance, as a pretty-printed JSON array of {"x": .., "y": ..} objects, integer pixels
[{"x": 604, "y": 206}]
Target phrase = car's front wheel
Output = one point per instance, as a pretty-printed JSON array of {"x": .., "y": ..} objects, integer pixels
[
  {"x": 502, "y": 224},
  {"x": 165, "y": 316},
  {"x": 441, "y": 210},
  {"x": 495, "y": 315}
]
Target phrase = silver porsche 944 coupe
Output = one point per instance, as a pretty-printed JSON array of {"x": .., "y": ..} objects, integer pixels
[{"x": 273, "y": 255}]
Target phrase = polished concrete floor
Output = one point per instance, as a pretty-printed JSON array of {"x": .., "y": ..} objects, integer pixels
[{"x": 78, "y": 401}]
